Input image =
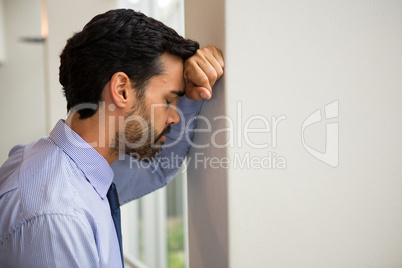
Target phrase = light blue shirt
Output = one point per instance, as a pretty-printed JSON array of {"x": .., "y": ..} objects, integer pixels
[{"x": 53, "y": 206}]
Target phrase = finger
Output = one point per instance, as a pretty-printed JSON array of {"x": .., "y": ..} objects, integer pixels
[
  {"x": 208, "y": 69},
  {"x": 217, "y": 55},
  {"x": 216, "y": 65},
  {"x": 197, "y": 93},
  {"x": 197, "y": 81}
]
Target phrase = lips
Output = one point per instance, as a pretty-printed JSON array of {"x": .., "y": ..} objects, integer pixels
[{"x": 164, "y": 132}]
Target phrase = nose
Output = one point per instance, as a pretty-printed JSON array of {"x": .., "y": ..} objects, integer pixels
[{"x": 173, "y": 117}]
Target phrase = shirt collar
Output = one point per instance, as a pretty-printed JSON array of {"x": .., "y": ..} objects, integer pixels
[{"x": 95, "y": 167}]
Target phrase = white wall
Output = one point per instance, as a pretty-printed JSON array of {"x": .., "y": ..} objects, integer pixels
[
  {"x": 31, "y": 97},
  {"x": 22, "y": 101},
  {"x": 2, "y": 37},
  {"x": 291, "y": 58},
  {"x": 208, "y": 209},
  {"x": 66, "y": 18}
]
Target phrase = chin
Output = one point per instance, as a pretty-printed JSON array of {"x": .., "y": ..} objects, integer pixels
[{"x": 145, "y": 155}]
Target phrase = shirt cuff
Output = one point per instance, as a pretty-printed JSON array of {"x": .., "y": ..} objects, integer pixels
[{"x": 188, "y": 106}]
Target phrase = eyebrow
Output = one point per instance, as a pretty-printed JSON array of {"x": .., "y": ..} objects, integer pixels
[{"x": 178, "y": 93}]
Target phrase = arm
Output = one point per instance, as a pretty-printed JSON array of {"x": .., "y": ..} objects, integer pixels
[
  {"x": 50, "y": 241},
  {"x": 134, "y": 178}
]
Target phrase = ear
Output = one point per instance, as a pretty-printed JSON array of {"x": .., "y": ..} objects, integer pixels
[{"x": 120, "y": 89}]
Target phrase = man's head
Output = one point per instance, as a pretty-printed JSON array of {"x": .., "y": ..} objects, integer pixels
[
  {"x": 147, "y": 118},
  {"x": 117, "y": 41},
  {"x": 133, "y": 62}
]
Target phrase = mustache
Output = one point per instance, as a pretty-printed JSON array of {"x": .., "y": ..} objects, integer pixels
[{"x": 164, "y": 132}]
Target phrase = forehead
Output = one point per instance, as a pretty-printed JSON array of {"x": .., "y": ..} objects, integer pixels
[{"x": 172, "y": 78}]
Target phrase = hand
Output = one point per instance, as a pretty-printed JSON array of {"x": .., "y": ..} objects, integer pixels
[{"x": 201, "y": 71}]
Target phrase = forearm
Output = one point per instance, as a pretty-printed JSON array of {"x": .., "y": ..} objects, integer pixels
[{"x": 134, "y": 178}]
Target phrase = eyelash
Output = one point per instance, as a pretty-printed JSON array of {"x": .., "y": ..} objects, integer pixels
[{"x": 168, "y": 103}]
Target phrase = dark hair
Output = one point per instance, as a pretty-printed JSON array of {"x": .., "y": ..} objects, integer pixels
[{"x": 120, "y": 40}]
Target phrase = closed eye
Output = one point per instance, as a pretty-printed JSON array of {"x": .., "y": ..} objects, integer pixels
[{"x": 178, "y": 93}]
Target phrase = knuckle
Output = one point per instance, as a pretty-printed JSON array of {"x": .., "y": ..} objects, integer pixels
[
  {"x": 190, "y": 61},
  {"x": 199, "y": 52},
  {"x": 220, "y": 72},
  {"x": 203, "y": 79},
  {"x": 211, "y": 47},
  {"x": 212, "y": 74}
]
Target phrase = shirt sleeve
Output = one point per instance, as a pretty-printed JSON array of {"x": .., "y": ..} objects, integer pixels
[
  {"x": 135, "y": 178},
  {"x": 50, "y": 241}
]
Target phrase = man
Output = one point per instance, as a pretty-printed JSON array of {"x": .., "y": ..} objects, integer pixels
[{"x": 123, "y": 77}]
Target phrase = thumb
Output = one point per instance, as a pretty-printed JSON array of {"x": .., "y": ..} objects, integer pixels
[{"x": 197, "y": 93}]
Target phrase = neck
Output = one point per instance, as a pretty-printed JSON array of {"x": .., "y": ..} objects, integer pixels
[{"x": 96, "y": 132}]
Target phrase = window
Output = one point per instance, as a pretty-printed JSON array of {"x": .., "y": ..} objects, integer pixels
[{"x": 155, "y": 226}]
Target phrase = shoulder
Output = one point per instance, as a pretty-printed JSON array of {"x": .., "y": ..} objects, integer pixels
[
  {"x": 9, "y": 170},
  {"x": 40, "y": 174},
  {"x": 35, "y": 182},
  {"x": 44, "y": 179}
]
